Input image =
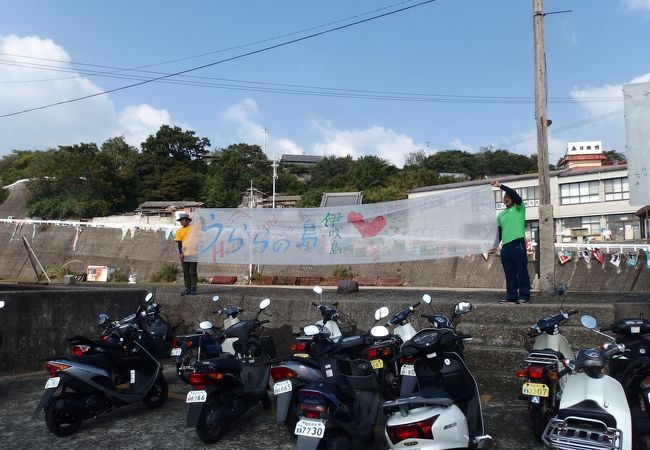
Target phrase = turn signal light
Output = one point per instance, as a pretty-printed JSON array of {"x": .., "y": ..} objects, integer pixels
[
  {"x": 54, "y": 367},
  {"x": 521, "y": 373},
  {"x": 299, "y": 346},
  {"x": 553, "y": 376},
  {"x": 416, "y": 430},
  {"x": 645, "y": 384},
  {"x": 372, "y": 353}
]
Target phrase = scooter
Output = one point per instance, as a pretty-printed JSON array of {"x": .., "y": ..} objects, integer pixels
[
  {"x": 98, "y": 376},
  {"x": 445, "y": 413},
  {"x": 204, "y": 343},
  {"x": 593, "y": 411},
  {"x": 632, "y": 369},
  {"x": 295, "y": 372},
  {"x": 542, "y": 386},
  {"x": 342, "y": 406},
  {"x": 224, "y": 388}
]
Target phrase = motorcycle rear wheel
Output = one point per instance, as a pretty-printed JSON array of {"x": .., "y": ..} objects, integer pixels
[
  {"x": 539, "y": 418},
  {"x": 60, "y": 422},
  {"x": 210, "y": 428},
  {"x": 157, "y": 396}
]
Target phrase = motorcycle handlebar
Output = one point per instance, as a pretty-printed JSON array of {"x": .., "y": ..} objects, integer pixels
[
  {"x": 572, "y": 312},
  {"x": 262, "y": 322},
  {"x": 567, "y": 370},
  {"x": 314, "y": 304},
  {"x": 462, "y": 336}
]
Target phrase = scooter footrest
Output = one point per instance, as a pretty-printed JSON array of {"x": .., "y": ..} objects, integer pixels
[{"x": 580, "y": 433}]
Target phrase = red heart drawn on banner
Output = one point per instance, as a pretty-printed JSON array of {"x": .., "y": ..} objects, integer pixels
[{"x": 364, "y": 227}]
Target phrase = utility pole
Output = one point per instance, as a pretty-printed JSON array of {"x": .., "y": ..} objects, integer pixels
[{"x": 546, "y": 221}]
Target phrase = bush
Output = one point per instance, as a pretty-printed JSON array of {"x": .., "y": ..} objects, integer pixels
[
  {"x": 167, "y": 273},
  {"x": 343, "y": 272},
  {"x": 119, "y": 276}
]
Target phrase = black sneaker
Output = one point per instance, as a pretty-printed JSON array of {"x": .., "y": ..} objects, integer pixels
[
  {"x": 185, "y": 292},
  {"x": 506, "y": 301},
  {"x": 523, "y": 300}
]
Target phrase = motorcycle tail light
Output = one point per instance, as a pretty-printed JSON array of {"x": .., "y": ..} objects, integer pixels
[
  {"x": 79, "y": 350},
  {"x": 175, "y": 343},
  {"x": 372, "y": 353},
  {"x": 535, "y": 372},
  {"x": 53, "y": 368},
  {"x": 199, "y": 380},
  {"x": 312, "y": 404},
  {"x": 298, "y": 346},
  {"x": 386, "y": 351},
  {"x": 311, "y": 411},
  {"x": 405, "y": 360},
  {"x": 645, "y": 384},
  {"x": 282, "y": 373},
  {"x": 416, "y": 430}
]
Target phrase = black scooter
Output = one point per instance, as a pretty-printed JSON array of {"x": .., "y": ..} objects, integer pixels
[
  {"x": 98, "y": 376},
  {"x": 224, "y": 388}
]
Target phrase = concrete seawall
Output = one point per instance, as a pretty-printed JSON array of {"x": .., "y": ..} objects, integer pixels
[{"x": 146, "y": 251}]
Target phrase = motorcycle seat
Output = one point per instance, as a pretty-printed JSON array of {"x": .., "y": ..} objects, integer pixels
[
  {"x": 101, "y": 361},
  {"x": 306, "y": 361},
  {"x": 588, "y": 409}
]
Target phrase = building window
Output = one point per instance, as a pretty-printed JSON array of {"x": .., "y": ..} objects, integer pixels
[
  {"x": 573, "y": 193},
  {"x": 592, "y": 224},
  {"x": 529, "y": 195},
  {"x": 617, "y": 189}
]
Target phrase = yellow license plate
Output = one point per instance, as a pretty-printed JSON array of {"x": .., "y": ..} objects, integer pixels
[
  {"x": 301, "y": 355},
  {"x": 536, "y": 389},
  {"x": 377, "y": 363}
]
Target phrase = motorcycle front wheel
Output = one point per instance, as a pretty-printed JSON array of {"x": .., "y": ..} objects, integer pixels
[
  {"x": 211, "y": 427},
  {"x": 157, "y": 396},
  {"x": 58, "y": 421}
]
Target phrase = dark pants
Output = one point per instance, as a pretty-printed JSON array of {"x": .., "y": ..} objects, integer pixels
[
  {"x": 189, "y": 275},
  {"x": 515, "y": 266}
]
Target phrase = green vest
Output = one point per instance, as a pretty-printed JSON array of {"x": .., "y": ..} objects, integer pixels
[{"x": 512, "y": 222}]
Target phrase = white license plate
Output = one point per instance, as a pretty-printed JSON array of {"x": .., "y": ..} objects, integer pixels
[
  {"x": 311, "y": 428},
  {"x": 407, "y": 370},
  {"x": 196, "y": 397},
  {"x": 52, "y": 382},
  {"x": 282, "y": 386},
  {"x": 176, "y": 351}
]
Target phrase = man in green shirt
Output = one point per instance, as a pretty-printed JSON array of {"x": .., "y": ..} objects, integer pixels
[{"x": 512, "y": 224}]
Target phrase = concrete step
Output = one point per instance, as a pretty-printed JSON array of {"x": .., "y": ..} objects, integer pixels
[{"x": 494, "y": 359}]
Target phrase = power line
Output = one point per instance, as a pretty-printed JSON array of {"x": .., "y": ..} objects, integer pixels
[{"x": 243, "y": 55}]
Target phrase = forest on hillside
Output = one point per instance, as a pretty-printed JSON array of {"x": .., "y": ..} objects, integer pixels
[{"x": 87, "y": 179}]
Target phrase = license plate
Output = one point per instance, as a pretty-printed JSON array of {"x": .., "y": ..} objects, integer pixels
[
  {"x": 196, "y": 397},
  {"x": 281, "y": 387},
  {"x": 377, "y": 363},
  {"x": 52, "y": 382},
  {"x": 536, "y": 389},
  {"x": 311, "y": 428},
  {"x": 176, "y": 351},
  {"x": 407, "y": 370}
]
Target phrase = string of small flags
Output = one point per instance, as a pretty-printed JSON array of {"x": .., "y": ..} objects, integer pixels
[{"x": 615, "y": 257}]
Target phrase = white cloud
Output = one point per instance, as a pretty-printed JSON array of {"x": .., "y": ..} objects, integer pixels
[
  {"x": 376, "y": 140},
  {"x": 457, "y": 144},
  {"x": 139, "y": 121},
  {"x": 27, "y": 86},
  {"x": 634, "y": 5}
]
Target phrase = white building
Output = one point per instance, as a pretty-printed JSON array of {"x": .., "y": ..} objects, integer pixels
[{"x": 590, "y": 201}]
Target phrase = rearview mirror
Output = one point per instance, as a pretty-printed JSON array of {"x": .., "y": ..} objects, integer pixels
[
  {"x": 560, "y": 289},
  {"x": 379, "y": 331},
  {"x": 311, "y": 330},
  {"x": 205, "y": 325},
  {"x": 426, "y": 298},
  {"x": 215, "y": 298},
  {"x": 318, "y": 289},
  {"x": 2, "y": 304},
  {"x": 588, "y": 322},
  {"x": 103, "y": 319},
  {"x": 381, "y": 313},
  {"x": 265, "y": 303},
  {"x": 462, "y": 308},
  {"x": 149, "y": 296}
]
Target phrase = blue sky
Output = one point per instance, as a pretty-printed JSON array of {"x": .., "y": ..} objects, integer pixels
[{"x": 477, "y": 54}]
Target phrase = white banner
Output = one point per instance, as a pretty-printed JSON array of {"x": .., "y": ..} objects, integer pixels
[{"x": 442, "y": 225}]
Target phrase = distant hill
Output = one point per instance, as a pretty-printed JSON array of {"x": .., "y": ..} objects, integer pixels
[{"x": 14, "y": 205}]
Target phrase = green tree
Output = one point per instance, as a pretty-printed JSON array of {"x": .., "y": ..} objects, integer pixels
[
  {"x": 231, "y": 173},
  {"x": 613, "y": 155},
  {"x": 369, "y": 171},
  {"x": 332, "y": 173}
]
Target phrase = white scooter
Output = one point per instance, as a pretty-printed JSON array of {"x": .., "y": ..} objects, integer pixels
[
  {"x": 445, "y": 413},
  {"x": 593, "y": 412},
  {"x": 330, "y": 316}
]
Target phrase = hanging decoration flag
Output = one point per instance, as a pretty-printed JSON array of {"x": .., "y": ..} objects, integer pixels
[
  {"x": 615, "y": 259},
  {"x": 486, "y": 255},
  {"x": 33, "y": 232},
  {"x": 598, "y": 255},
  {"x": 632, "y": 259},
  {"x": 565, "y": 256},
  {"x": 124, "y": 231},
  {"x": 586, "y": 255},
  {"x": 168, "y": 232},
  {"x": 76, "y": 239}
]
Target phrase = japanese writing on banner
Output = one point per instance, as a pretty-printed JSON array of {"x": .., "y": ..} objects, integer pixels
[{"x": 441, "y": 225}]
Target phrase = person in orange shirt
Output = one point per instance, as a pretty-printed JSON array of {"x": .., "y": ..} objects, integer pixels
[{"x": 189, "y": 268}]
